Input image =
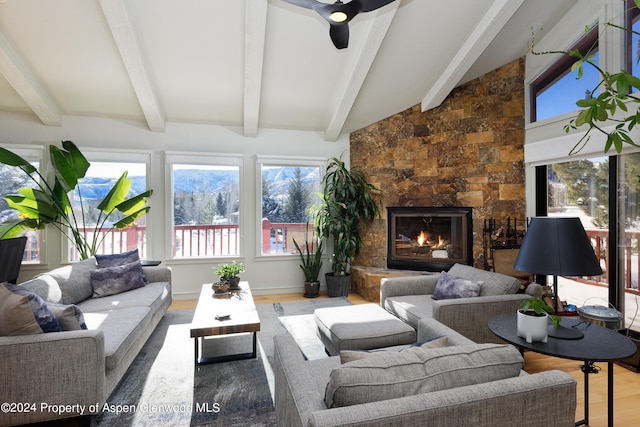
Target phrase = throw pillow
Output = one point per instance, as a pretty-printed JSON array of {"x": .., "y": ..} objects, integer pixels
[
  {"x": 41, "y": 312},
  {"x": 113, "y": 260},
  {"x": 347, "y": 356},
  {"x": 450, "y": 286},
  {"x": 45, "y": 287},
  {"x": 117, "y": 279},
  {"x": 415, "y": 371},
  {"x": 69, "y": 317},
  {"x": 75, "y": 281},
  {"x": 16, "y": 316}
]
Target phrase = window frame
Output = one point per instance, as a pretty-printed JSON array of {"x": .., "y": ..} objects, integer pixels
[
  {"x": 104, "y": 156},
  {"x": 33, "y": 153},
  {"x": 289, "y": 161},
  {"x": 201, "y": 159},
  {"x": 560, "y": 68}
]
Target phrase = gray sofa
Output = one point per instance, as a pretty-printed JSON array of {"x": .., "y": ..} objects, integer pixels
[
  {"x": 515, "y": 399},
  {"x": 79, "y": 367},
  {"x": 411, "y": 299}
]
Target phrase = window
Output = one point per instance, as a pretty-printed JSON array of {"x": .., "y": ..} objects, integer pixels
[
  {"x": 582, "y": 188},
  {"x": 205, "y": 205},
  {"x": 12, "y": 179},
  {"x": 289, "y": 187},
  {"x": 555, "y": 92},
  {"x": 632, "y": 41},
  {"x": 98, "y": 181}
]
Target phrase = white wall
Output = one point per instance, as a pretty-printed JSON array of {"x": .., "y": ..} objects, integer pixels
[{"x": 265, "y": 274}]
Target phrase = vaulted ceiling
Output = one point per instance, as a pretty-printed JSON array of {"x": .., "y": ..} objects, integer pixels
[{"x": 250, "y": 64}]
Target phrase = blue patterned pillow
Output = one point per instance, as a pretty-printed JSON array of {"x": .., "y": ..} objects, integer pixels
[
  {"x": 450, "y": 286},
  {"x": 114, "y": 260},
  {"x": 117, "y": 279},
  {"x": 45, "y": 318}
]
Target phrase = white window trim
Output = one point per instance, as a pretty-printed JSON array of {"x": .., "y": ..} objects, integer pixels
[
  {"x": 278, "y": 161},
  {"x": 116, "y": 156},
  {"x": 34, "y": 153},
  {"x": 201, "y": 159}
]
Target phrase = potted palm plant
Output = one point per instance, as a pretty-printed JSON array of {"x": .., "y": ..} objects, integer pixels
[
  {"x": 311, "y": 262},
  {"x": 346, "y": 200},
  {"x": 48, "y": 202}
]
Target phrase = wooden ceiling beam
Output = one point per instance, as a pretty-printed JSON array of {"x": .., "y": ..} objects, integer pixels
[
  {"x": 14, "y": 69},
  {"x": 488, "y": 27},
  {"x": 119, "y": 20},
  {"x": 359, "y": 68},
  {"x": 255, "y": 34}
]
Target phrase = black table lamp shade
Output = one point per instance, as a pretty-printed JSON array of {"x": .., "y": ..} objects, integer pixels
[
  {"x": 557, "y": 246},
  {"x": 560, "y": 247}
]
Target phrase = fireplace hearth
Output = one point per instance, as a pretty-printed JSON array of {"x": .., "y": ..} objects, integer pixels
[{"x": 429, "y": 238}]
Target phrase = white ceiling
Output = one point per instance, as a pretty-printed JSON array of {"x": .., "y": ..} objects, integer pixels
[{"x": 251, "y": 63}]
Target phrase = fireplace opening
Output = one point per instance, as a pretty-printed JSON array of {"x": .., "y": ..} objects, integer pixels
[{"x": 429, "y": 238}]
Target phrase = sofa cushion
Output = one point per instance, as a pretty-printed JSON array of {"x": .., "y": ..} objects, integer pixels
[
  {"x": 75, "y": 281},
  {"x": 415, "y": 371},
  {"x": 113, "y": 260},
  {"x": 69, "y": 317},
  {"x": 45, "y": 287},
  {"x": 450, "y": 286},
  {"x": 493, "y": 283},
  {"x": 347, "y": 356},
  {"x": 45, "y": 318},
  {"x": 117, "y": 279},
  {"x": 121, "y": 328},
  {"x": 152, "y": 295},
  {"x": 16, "y": 315}
]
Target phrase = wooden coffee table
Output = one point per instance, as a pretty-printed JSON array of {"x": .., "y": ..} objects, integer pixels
[{"x": 243, "y": 318}]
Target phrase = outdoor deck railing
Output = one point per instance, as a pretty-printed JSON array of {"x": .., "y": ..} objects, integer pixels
[
  {"x": 277, "y": 238},
  {"x": 199, "y": 240}
]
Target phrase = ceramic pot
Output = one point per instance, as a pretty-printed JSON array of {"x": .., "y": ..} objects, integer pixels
[
  {"x": 234, "y": 283},
  {"x": 312, "y": 289},
  {"x": 338, "y": 286},
  {"x": 533, "y": 327}
]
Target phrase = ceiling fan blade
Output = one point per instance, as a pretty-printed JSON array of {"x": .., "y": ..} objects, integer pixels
[
  {"x": 308, "y": 4},
  {"x": 369, "y": 5},
  {"x": 339, "y": 35}
]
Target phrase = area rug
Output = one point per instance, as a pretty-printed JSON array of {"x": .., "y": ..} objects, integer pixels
[{"x": 162, "y": 387}]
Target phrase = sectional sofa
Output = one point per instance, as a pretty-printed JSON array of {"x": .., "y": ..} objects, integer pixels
[
  {"x": 488, "y": 294},
  {"x": 53, "y": 375},
  {"x": 463, "y": 383}
]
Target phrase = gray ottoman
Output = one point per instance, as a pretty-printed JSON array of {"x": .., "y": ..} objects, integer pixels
[{"x": 360, "y": 327}]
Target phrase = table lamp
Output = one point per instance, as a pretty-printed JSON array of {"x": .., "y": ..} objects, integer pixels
[{"x": 557, "y": 246}]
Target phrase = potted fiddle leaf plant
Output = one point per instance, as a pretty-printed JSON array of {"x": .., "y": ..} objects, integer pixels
[
  {"x": 347, "y": 200},
  {"x": 230, "y": 273},
  {"x": 48, "y": 201},
  {"x": 533, "y": 320},
  {"x": 311, "y": 262}
]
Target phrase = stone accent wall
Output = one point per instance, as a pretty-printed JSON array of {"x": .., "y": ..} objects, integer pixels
[{"x": 469, "y": 151}]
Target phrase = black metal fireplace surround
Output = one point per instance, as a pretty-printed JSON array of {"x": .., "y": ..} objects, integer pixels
[{"x": 429, "y": 238}]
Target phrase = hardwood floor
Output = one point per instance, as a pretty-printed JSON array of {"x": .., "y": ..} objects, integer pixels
[{"x": 626, "y": 382}]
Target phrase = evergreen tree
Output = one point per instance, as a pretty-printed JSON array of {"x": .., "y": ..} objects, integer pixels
[
  {"x": 271, "y": 209},
  {"x": 297, "y": 207}
]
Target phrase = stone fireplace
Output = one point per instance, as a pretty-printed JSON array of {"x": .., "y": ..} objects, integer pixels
[
  {"x": 429, "y": 238},
  {"x": 468, "y": 151}
]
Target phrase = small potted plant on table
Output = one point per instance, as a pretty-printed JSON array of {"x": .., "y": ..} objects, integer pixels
[
  {"x": 533, "y": 320},
  {"x": 229, "y": 273},
  {"x": 311, "y": 263}
]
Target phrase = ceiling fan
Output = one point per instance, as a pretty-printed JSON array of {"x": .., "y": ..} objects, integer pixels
[{"x": 339, "y": 14}]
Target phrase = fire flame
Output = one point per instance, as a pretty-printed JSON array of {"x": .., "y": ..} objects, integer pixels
[
  {"x": 440, "y": 241},
  {"x": 422, "y": 238}
]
